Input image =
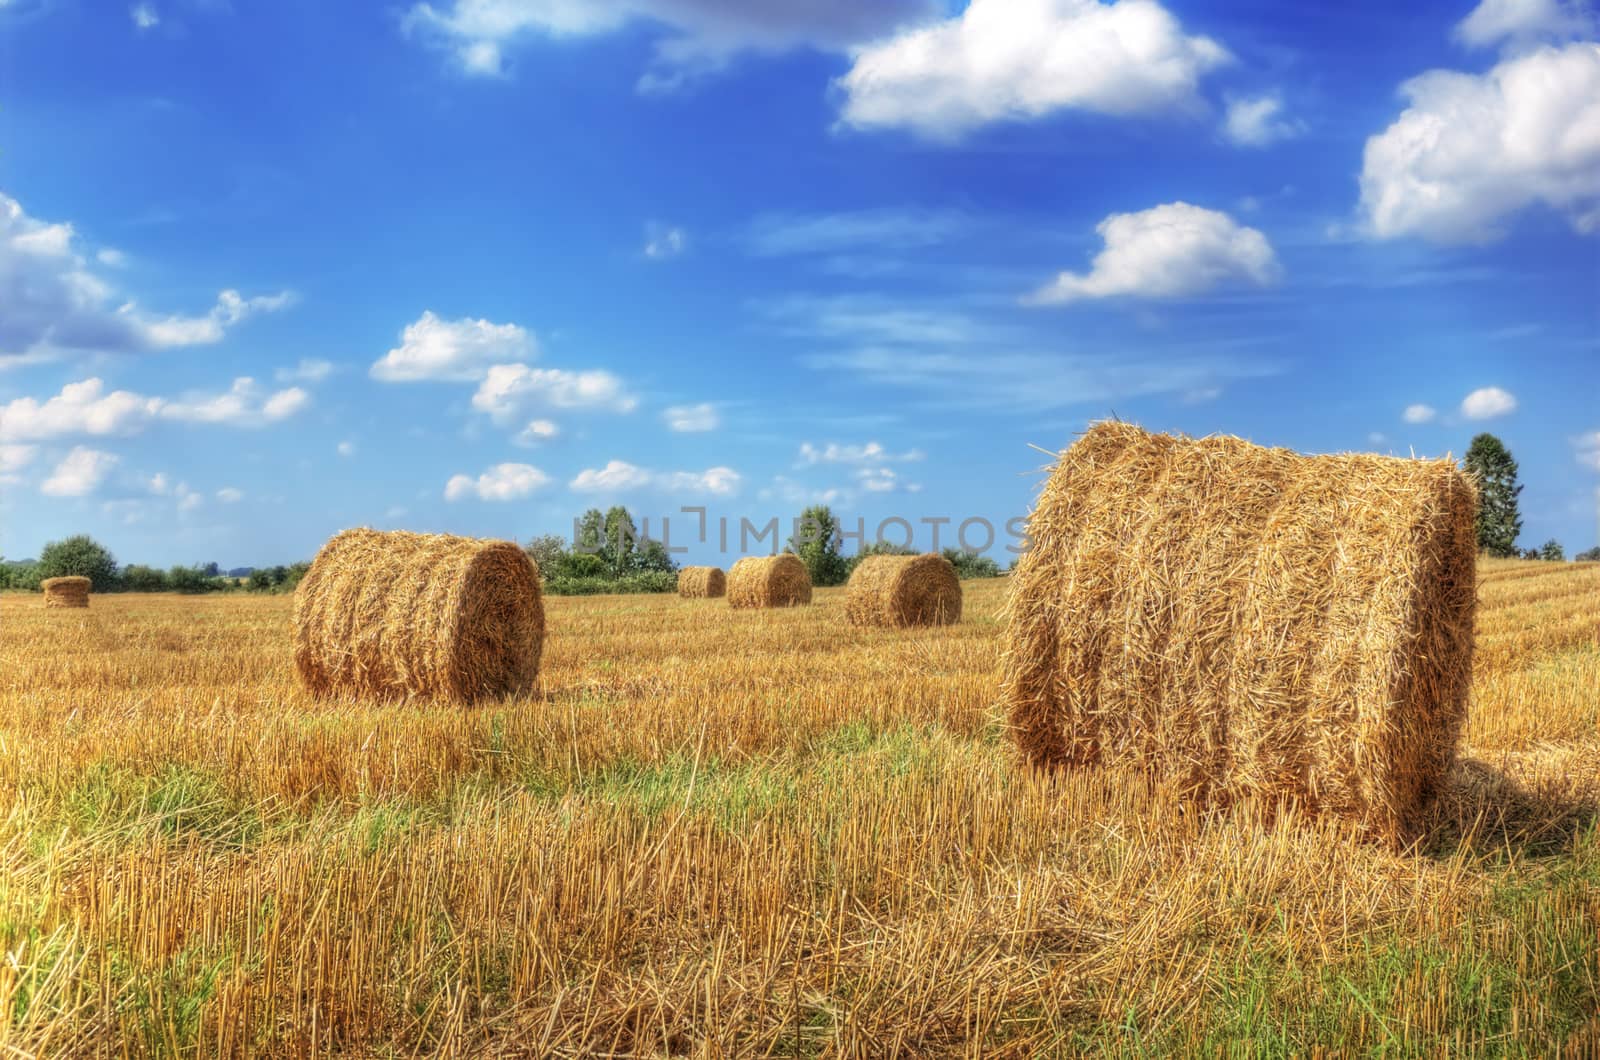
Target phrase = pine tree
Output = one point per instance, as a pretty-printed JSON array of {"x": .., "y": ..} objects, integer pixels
[{"x": 1499, "y": 523}]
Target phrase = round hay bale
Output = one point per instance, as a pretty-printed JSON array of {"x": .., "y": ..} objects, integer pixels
[
  {"x": 1243, "y": 622},
  {"x": 698, "y": 583},
  {"x": 392, "y": 615},
  {"x": 71, "y": 590},
  {"x": 903, "y": 591},
  {"x": 769, "y": 581}
]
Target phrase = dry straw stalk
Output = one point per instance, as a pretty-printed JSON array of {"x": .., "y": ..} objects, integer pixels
[
  {"x": 903, "y": 591},
  {"x": 769, "y": 581},
  {"x": 71, "y": 590},
  {"x": 1248, "y": 622},
  {"x": 701, "y": 582},
  {"x": 391, "y": 615}
]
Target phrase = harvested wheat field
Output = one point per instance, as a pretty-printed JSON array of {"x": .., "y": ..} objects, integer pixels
[{"x": 710, "y": 832}]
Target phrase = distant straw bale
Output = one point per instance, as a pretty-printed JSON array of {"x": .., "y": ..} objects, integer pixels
[
  {"x": 71, "y": 590},
  {"x": 391, "y": 615},
  {"x": 701, "y": 582},
  {"x": 769, "y": 581},
  {"x": 903, "y": 591},
  {"x": 1248, "y": 622}
]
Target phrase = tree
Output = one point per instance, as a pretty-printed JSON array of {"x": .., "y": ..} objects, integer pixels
[
  {"x": 1552, "y": 551},
  {"x": 652, "y": 555},
  {"x": 548, "y": 551},
  {"x": 141, "y": 579},
  {"x": 260, "y": 580},
  {"x": 1591, "y": 555},
  {"x": 816, "y": 541},
  {"x": 620, "y": 537},
  {"x": 972, "y": 564},
  {"x": 189, "y": 580},
  {"x": 80, "y": 555},
  {"x": 211, "y": 570},
  {"x": 588, "y": 536},
  {"x": 1490, "y": 463}
]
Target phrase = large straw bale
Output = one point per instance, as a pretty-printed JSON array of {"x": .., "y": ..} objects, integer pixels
[
  {"x": 903, "y": 591},
  {"x": 769, "y": 581},
  {"x": 71, "y": 590},
  {"x": 390, "y": 615},
  {"x": 1248, "y": 622},
  {"x": 701, "y": 582}
]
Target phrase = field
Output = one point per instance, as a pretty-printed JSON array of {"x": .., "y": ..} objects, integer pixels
[{"x": 748, "y": 833}]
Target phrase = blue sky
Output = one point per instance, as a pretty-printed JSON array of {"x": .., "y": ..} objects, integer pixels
[{"x": 272, "y": 270}]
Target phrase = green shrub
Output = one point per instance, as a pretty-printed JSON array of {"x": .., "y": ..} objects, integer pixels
[
  {"x": 141, "y": 579},
  {"x": 80, "y": 555},
  {"x": 640, "y": 582}
]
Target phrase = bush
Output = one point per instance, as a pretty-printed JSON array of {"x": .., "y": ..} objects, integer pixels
[
  {"x": 1588, "y": 555},
  {"x": 640, "y": 582},
  {"x": 141, "y": 579},
  {"x": 189, "y": 580},
  {"x": 972, "y": 564},
  {"x": 25, "y": 576},
  {"x": 79, "y": 555},
  {"x": 291, "y": 577}
]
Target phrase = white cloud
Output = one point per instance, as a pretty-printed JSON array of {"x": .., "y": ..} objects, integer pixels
[
  {"x": 503, "y": 482},
  {"x": 699, "y": 37},
  {"x": 866, "y": 453},
  {"x": 158, "y": 484},
  {"x": 1586, "y": 446},
  {"x": 535, "y": 432},
  {"x": 508, "y": 390},
  {"x": 1520, "y": 21},
  {"x": 664, "y": 241},
  {"x": 791, "y": 492},
  {"x": 188, "y": 499},
  {"x": 111, "y": 257},
  {"x": 56, "y": 304},
  {"x": 84, "y": 408},
  {"x": 80, "y": 473},
  {"x": 619, "y": 476},
  {"x": 346, "y": 448},
  {"x": 144, "y": 16},
  {"x": 1470, "y": 151},
  {"x": 230, "y": 495},
  {"x": 459, "y": 350},
  {"x": 691, "y": 419},
  {"x": 1168, "y": 251},
  {"x": 1487, "y": 403},
  {"x": 308, "y": 370},
  {"x": 1021, "y": 59},
  {"x": 1419, "y": 414},
  {"x": 1377, "y": 438},
  {"x": 877, "y": 479},
  {"x": 13, "y": 458},
  {"x": 1257, "y": 121}
]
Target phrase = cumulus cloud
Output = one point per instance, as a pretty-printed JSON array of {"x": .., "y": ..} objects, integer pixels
[
  {"x": 700, "y": 36},
  {"x": 535, "y": 432},
  {"x": 692, "y": 419},
  {"x": 664, "y": 241},
  {"x": 55, "y": 303},
  {"x": 865, "y": 453},
  {"x": 1021, "y": 59},
  {"x": 1487, "y": 403},
  {"x": 80, "y": 473},
  {"x": 1419, "y": 414},
  {"x": 1169, "y": 251},
  {"x": 503, "y": 482},
  {"x": 1518, "y": 22},
  {"x": 455, "y": 350},
  {"x": 508, "y": 390},
  {"x": 13, "y": 458},
  {"x": 308, "y": 370},
  {"x": 1257, "y": 121},
  {"x": 1586, "y": 446},
  {"x": 619, "y": 476},
  {"x": 1470, "y": 151},
  {"x": 85, "y": 408}
]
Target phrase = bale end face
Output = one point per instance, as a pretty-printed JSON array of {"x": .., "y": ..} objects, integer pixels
[
  {"x": 70, "y": 590},
  {"x": 902, "y": 591},
  {"x": 397, "y": 615},
  {"x": 769, "y": 581},
  {"x": 1247, "y": 623},
  {"x": 699, "y": 583}
]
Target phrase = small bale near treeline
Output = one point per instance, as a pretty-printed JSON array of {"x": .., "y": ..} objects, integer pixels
[
  {"x": 393, "y": 615},
  {"x": 903, "y": 591},
  {"x": 699, "y": 583},
  {"x": 71, "y": 590},
  {"x": 769, "y": 581},
  {"x": 1244, "y": 622}
]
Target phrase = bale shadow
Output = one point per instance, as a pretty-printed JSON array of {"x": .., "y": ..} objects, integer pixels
[{"x": 1483, "y": 811}]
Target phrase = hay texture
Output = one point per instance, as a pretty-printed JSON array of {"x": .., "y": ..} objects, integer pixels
[
  {"x": 1248, "y": 622},
  {"x": 699, "y": 583},
  {"x": 769, "y": 581},
  {"x": 69, "y": 591},
  {"x": 903, "y": 591},
  {"x": 392, "y": 615}
]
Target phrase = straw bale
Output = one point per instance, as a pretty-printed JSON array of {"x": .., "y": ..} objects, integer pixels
[
  {"x": 1243, "y": 622},
  {"x": 702, "y": 582},
  {"x": 769, "y": 581},
  {"x": 903, "y": 591},
  {"x": 392, "y": 615},
  {"x": 71, "y": 590}
]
